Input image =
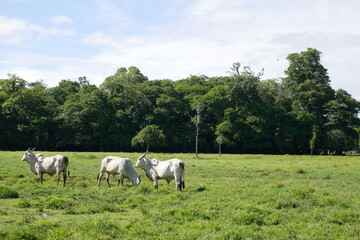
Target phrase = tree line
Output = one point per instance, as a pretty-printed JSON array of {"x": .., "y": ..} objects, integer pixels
[{"x": 239, "y": 113}]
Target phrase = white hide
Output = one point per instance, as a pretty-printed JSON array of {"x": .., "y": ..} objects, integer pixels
[
  {"x": 168, "y": 170},
  {"x": 122, "y": 166},
  {"x": 39, "y": 165}
]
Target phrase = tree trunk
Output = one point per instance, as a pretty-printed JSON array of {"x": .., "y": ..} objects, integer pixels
[{"x": 197, "y": 140}]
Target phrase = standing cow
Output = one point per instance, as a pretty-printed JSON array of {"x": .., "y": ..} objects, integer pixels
[
  {"x": 168, "y": 170},
  {"x": 117, "y": 165},
  {"x": 39, "y": 165}
]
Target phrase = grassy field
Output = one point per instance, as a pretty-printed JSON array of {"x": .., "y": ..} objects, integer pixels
[{"x": 227, "y": 197}]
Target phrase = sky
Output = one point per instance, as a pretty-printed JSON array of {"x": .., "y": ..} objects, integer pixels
[{"x": 52, "y": 40}]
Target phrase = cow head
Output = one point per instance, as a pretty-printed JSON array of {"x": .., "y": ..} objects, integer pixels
[
  {"x": 141, "y": 162},
  {"x": 138, "y": 180},
  {"x": 27, "y": 154}
]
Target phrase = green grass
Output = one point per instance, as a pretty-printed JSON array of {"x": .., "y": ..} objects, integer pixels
[{"x": 227, "y": 197}]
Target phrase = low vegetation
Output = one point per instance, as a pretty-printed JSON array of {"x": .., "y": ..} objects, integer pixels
[{"x": 226, "y": 197}]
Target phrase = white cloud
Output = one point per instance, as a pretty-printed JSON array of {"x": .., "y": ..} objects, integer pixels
[
  {"x": 61, "y": 20},
  {"x": 206, "y": 37},
  {"x": 109, "y": 12},
  {"x": 15, "y": 31},
  {"x": 340, "y": 50},
  {"x": 98, "y": 39}
]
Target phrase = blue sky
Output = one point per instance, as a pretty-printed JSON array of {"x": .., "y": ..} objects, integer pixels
[{"x": 51, "y": 40}]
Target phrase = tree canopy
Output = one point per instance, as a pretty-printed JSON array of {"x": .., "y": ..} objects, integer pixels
[{"x": 240, "y": 113}]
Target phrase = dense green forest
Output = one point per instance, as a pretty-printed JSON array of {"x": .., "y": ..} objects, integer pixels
[{"x": 239, "y": 113}]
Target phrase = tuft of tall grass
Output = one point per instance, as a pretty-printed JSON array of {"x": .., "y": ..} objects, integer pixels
[{"x": 7, "y": 193}]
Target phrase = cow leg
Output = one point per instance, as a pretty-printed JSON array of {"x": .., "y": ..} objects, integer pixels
[
  {"x": 99, "y": 177},
  {"x": 40, "y": 177},
  {"x": 155, "y": 182},
  {"x": 58, "y": 177},
  {"x": 121, "y": 180},
  {"x": 64, "y": 176},
  {"x": 118, "y": 182},
  {"x": 107, "y": 179},
  {"x": 178, "y": 183}
]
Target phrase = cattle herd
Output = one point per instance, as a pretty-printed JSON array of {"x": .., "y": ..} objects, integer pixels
[{"x": 153, "y": 168}]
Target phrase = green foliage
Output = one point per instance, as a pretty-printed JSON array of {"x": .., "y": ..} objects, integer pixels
[
  {"x": 150, "y": 135},
  {"x": 57, "y": 203},
  {"x": 261, "y": 115},
  {"x": 12, "y": 85},
  {"x": 313, "y": 140},
  {"x": 24, "y": 204}
]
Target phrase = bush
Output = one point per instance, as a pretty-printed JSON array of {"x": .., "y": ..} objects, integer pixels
[
  {"x": 300, "y": 170},
  {"x": 24, "y": 204},
  {"x": 6, "y": 193},
  {"x": 57, "y": 203},
  {"x": 24, "y": 235}
]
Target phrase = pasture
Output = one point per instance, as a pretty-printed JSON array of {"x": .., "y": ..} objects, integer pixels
[{"x": 225, "y": 197}]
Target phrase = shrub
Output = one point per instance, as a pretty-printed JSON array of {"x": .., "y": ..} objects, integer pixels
[
  {"x": 6, "y": 193},
  {"x": 301, "y": 171},
  {"x": 24, "y": 235},
  {"x": 57, "y": 203},
  {"x": 24, "y": 204},
  {"x": 287, "y": 204},
  {"x": 201, "y": 189}
]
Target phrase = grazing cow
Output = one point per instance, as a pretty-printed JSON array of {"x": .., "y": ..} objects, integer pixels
[
  {"x": 122, "y": 166},
  {"x": 168, "y": 170},
  {"x": 39, "y": 165}
]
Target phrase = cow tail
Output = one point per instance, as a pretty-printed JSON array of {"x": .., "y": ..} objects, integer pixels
[
  {"x": 67, "y": 164},
  {"x": 182, "y": 174}
]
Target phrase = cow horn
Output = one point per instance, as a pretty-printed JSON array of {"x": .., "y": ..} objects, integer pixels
[{"x": 33, "y": 149}]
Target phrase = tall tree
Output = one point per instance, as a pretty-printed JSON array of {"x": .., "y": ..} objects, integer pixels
[
  {"x": 86, "y": 120},
  {"x": 64, "y": 89},
  {"x": 342, "y": 121},
  {"x": 313, "y": 140},
  {"x": 29, "y": 114},
  {"x": 310, "y": 85},
  {"x": 123, "y": 77},
  {"x": 197, "y": 120}
]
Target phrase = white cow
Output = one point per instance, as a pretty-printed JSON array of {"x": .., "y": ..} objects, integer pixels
[
  {"x": 39, "y": 165},
  {"x": 122, "y": 166},
  {"x": 168, "y": 170},
  {"x": 40, "y": 156}
]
